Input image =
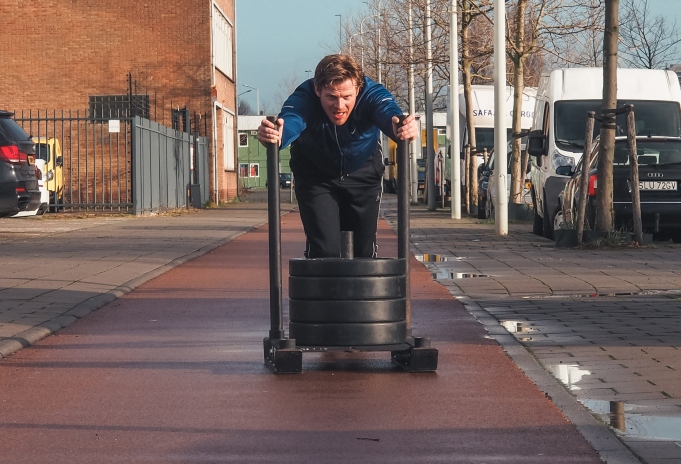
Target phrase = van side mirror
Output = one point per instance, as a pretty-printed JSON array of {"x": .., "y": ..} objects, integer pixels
[
  {"x": 60, "y": 161},
  {"x": 564, "y": 170},
  {"x": 536, "y": 143}
]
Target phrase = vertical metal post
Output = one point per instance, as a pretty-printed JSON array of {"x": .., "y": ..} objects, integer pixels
[
  {"x": 454, "y": 141},
  {"x": 274, "y": 222},
  {"x": 403, "y": 214},
  {"x": 501, "y": 219},
  {"x": 430, "y": 151},
  {"x": 347, "y": 245}
]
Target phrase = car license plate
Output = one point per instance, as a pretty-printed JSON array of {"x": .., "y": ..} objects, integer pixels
[{"x": 657, "y": 185}]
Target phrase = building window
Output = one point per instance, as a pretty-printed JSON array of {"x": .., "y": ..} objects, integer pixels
[
  {"x": 243, "y": 170},
  {"x": 223, "y": 43},
  {"x": 118, "y": 106},
  {"x": 254, "y": 170},
  {"x": 243, "y": 139},
  {"x": 229, "y": 146}
]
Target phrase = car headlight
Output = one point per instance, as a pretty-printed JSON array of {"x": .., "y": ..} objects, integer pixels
[
  {"x": 558, "y": 159},
  {"x": 50, "y": 175}
]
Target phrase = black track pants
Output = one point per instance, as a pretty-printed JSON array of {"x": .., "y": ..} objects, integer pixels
[{"x": 350, "y": 203}]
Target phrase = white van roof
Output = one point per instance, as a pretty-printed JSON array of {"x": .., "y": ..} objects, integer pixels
[
  {"x": 587, "y": 84},
  {"x": 483, "y": 105}
]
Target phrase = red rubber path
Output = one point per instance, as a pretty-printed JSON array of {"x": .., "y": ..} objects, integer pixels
[{"x": 173, "y": 373}]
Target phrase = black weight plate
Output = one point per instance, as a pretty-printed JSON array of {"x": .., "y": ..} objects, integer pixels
[
  {"x": 381, "y": 333},
  {"x": 352, "y": 311},
  {"x": 346, "y": 288},
  {"x": 346, "y": 267}
]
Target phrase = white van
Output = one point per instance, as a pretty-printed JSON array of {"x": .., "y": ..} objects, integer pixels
[
  {"x": 564, "y": 98},
  {"x": 482, "y": 97}
]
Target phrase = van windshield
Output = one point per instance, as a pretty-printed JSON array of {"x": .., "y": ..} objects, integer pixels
[
  {"x": 652, "y": 118},
  {"x": 484, "y": 138},
  {"x": 649, "y": 151},
  {"x": 42, "y": 151}
]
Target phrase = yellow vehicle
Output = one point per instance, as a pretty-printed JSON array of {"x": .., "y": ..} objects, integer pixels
[
  {"x": 390, "y": 175},
  {"x": 49, "y": 150}
]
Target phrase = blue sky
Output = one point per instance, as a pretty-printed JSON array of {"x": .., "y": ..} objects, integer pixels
[{"x": 280, "y": 39}]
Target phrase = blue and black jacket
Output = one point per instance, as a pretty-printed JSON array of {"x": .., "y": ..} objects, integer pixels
[{"x": 319, "y": 147}]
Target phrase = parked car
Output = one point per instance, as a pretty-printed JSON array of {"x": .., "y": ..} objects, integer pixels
[
  {"x": 40, "y": 169},
  {"x": 492, "y": 201},
  {"x": 48, "y": 149},
  {"x": 284, "y": 180},
  {"x": 18, "y": 182},
  {"x": 659, "y": 160}
]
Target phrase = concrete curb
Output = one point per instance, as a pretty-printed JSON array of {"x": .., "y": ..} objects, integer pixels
[
  {"x": 30, "y": 336},
  {"x": 609, "y": 447}
]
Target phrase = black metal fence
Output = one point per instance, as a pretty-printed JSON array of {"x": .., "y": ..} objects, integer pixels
[{"x": 117, "y": 164}]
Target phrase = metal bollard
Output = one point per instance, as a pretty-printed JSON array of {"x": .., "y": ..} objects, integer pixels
[{"x": 281, "y": 354}]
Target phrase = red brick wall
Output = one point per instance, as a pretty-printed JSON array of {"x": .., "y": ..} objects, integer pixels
[{"x": 55, "y": 53}]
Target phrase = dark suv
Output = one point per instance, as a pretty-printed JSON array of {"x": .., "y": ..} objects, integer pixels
[{"x": 18, "y": 181}]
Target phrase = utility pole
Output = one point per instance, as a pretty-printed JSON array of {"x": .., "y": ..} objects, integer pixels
[
  {"x": 454, "y": 142},
  {"x": 430, "y": 151},
  {"x": 340, "y": 33},
  {"x": 414, "y": 150},
  {"x": 501, "y": 219}
]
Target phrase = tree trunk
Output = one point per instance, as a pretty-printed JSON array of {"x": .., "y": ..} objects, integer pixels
[
  {"x": 466, "y": 63},
  {"x": 604, "y": 208},
  {"x": 517, "y": 169}
]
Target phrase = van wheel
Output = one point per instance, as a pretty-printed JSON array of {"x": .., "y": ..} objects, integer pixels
[
  {"x": 538, "y": 223},
  {"x": 546, "y": 222},
  {"x": 482, "y": 211}
]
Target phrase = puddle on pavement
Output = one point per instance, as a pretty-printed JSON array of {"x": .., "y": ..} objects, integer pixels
[
  {"x": 568, "y": 374},
  {"x": 629, "y": 420},
  {"x": 433, "y": 258},
  {"x": 517, "y": 326},
  {"x": 445, "y": 274}
]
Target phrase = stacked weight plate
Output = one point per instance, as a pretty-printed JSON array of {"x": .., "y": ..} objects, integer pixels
[{"x": 347, "y": 302}]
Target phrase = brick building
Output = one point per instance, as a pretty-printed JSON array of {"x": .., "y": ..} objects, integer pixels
[{"x": 88, "y": 55}]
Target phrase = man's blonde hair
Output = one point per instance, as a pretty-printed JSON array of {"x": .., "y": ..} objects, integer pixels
[{"x": 334, "y": 69}]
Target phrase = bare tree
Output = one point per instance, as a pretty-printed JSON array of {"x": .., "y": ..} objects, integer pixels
[
  {"x": 647, "y": 41},
  {"x": 245, "y": 108},
  {"x": 476, "y": 51},
  {"x": 286, "y": 87},
  {"x": 581, "y": 45},
  {"x": 606, "y": 154},
  {"x": 540, "y": 32}
]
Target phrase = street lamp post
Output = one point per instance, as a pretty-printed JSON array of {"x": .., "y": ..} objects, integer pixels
[
  {"x": 361, "y": 32},
  {"x": 237, "y": 98},
  {"x": 340, "y": 33},
  {"x": 257, "y": 97},
  {"x": 378, "y": 40}
]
